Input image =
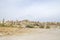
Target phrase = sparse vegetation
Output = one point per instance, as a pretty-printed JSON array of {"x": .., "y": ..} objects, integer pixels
[
  {"x": 12, "y": 27},
  {"x": 47, "y": 27},
  {"x": 28, "y": 24},
  {"x": 41, "y": 27}
]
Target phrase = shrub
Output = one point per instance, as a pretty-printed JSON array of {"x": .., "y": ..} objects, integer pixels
[
  {"x": 30, "y": 26},
  {"x": 47, "y": 27},
  {"x": 41, "y": 27}
]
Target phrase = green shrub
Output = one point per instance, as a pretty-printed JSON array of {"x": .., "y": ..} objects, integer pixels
[
  {"x": 47, "y": 27},
  {"x": 30, "y": 26},
  {"x": 1, "y": 25},
  {"x": 41, "y": 27}
]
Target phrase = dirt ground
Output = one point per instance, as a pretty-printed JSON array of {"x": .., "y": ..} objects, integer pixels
[{"x": 29, "y": 34}]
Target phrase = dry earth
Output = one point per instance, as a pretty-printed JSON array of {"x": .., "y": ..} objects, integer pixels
[{"x": 29, "y": 34}]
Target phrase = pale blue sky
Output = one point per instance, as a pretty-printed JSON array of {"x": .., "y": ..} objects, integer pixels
[{"x": 37, "y": 10}]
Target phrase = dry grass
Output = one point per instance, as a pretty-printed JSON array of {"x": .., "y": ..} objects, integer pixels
[
  {"x": 12, "y": 30},
  {"x": 4, "y": 31}
]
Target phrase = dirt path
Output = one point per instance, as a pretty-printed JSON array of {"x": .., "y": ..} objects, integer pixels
[{"x": 36, "y": 34}]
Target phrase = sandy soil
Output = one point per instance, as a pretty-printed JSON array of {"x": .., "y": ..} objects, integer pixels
[{"x": 35, "y": 34}]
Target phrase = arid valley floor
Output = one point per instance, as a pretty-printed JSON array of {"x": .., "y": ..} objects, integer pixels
[{"x": 29, "y": 34}]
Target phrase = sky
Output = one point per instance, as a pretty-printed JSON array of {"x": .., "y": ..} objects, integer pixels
[{"x": 36, "y": 10}]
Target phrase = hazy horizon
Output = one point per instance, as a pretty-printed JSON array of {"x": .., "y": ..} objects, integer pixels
[{"x": 36, "y": 10}]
